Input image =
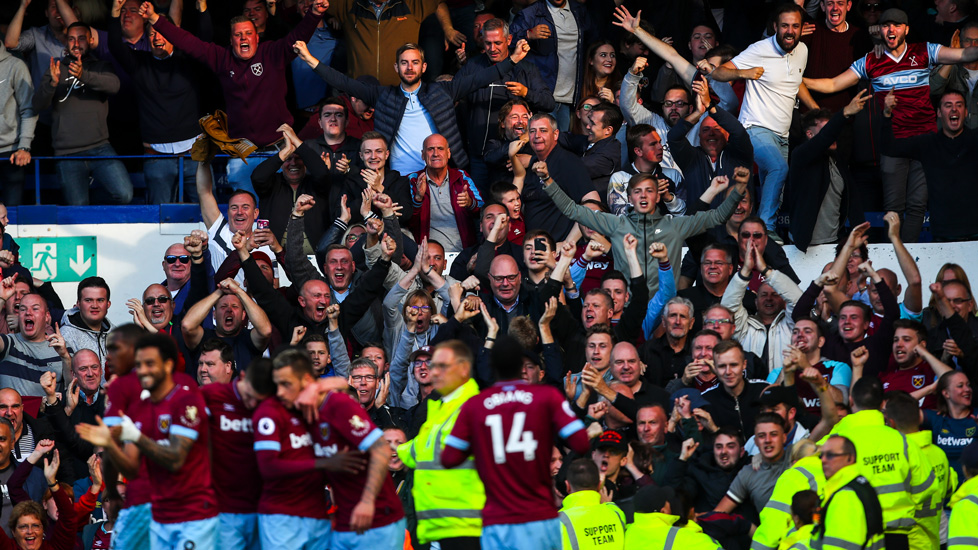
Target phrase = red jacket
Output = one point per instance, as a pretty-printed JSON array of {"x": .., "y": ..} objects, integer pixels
[{"x": 465, "y": 218}]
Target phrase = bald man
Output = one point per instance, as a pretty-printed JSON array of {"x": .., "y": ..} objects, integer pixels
[
  {"x": 27, "y": 429},
  {"x": 507, "y": 299},
  {"x": 88, "y": 401},
  {"x": 25, "y": 356}
]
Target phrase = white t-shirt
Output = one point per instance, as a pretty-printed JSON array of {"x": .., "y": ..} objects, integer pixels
[
  {"x": 219, "y": 234},
  {"x": 770, "y": 100}
]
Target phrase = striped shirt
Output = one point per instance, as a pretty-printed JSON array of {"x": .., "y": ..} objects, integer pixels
[{"x": 22, "y": 363}]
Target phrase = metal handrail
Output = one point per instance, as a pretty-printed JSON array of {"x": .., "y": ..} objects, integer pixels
[{"x": 180, "y": 158}]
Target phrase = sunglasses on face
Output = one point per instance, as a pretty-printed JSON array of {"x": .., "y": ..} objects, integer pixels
[
  {"x": 871, "y": 7},
  {"x": 150, "y": 300},
  {"x": 747, "y": 235},
  {"x": 171, "y": 259}
]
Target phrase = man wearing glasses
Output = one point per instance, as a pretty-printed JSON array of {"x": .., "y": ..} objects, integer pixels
[
  {"x": 848, "y": 496},
  {"x": 364, "y": 380},
  {"x": 716, "y": 269}
]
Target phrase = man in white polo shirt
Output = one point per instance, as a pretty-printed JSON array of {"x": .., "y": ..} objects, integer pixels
[{"x": 774, "y": 69}]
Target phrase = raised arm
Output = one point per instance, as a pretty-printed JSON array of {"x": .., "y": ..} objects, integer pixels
[
  {"x": 209, "y": 210},
  {"x": 630, "y": 24},
  {"x": 951, "y": 56},
  {"x": 336, "y": 79},
  {"x": 846, "y": 80},
  {"x": 193, "y": 331},
  {"x": 912, "y": 299},
  {"x": 12, "y": 39},
  {"x": 261, "y": 325},
  {"x": 728, "y": 71}
]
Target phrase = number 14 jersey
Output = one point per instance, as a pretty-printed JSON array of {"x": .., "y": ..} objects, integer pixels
[{"x": 510, "y": 429}]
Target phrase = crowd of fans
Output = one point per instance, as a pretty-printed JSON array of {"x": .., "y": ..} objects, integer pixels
[{"x": 492, "y": 337}]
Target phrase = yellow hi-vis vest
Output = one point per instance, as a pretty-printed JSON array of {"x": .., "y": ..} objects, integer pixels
[
  {"x": 655, "y": 531},
  {"x": 776, "y": 523},
  {"x": 799, "y": 539},
  {"x": 448, "y": 502},
  {"x": 845, "y": 518},
  {"x": 962, "y": 530},
  {"x": 586, "y": 523},
  {"x": 896, "y": 468},
  {"x": 930, "y": 503}
]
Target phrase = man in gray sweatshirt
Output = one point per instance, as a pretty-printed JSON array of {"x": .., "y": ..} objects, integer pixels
[
  {"x": 16, "y": 124},
  {"x": 78, "y": 89}
]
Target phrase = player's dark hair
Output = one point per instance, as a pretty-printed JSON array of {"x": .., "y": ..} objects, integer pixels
[
  {"x": 162, "y": 342},
  {"x": 634, "y": 135},
  {"x": 524, "y": 330},
  {"x": 93, "y": 282},
  {"x": 583, "y": 475},
  {"x": 611, "y": 115},
  {"x": 129, "y": 332},
  {"x": 812, "y": 118},
  {"x": 259, "y": 375},
  {"x": 867, "y": 393},
  {"x": 506, "y": 358},
  {"x": 296, "y": 359},
  {"x": 903, "y": 410},
  {"x": 211, "y": 344},
  {"x": 600, "y": 328},
  {"x": 533, "y": 234},
  {"x": 725, "y": 52},
  {"x": 805, "y": 504}
]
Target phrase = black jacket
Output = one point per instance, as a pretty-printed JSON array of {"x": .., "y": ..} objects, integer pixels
[
  {"x": 483, "y": 104},
  {"x": 601, "y": 159},
  {"x": 277, "y": 198},
  {"x": 705, "y": 482},
  {"x": 737, "y": 412},
  {"x": 809, "y": 180},
  {"x": 695, "y": 163}
]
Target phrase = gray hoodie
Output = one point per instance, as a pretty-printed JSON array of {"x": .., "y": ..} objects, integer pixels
[{"x": 16, "y": 101}]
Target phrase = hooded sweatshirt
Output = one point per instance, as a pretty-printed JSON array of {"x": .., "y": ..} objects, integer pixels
[{"x": 16, "y": 101}]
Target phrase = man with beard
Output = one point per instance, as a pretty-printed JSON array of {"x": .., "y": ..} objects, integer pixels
[
  {"x": 645, "y": 150},
  {"x": 916, "y": 368},
  {"x": 773, "y": 68},
  {"x": 942, "y": 156},
  {"x": 707, "y": 477},
  {"x": 165, "y": 84},
  {"x": 250, "y": 74},
  {"x": 172, "y": 436},
  {"x": 82, "y": 85},
  {"x": 233, "y": 311},
  {"x": 513, "y": 122},
  {"x": 414, "y": 110},
  {"x": 484, "y": 105},
  {"x": 31, "y": 352},
  {"x": 805, "y": 351},
  {"x": 904, "y": 73}
]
